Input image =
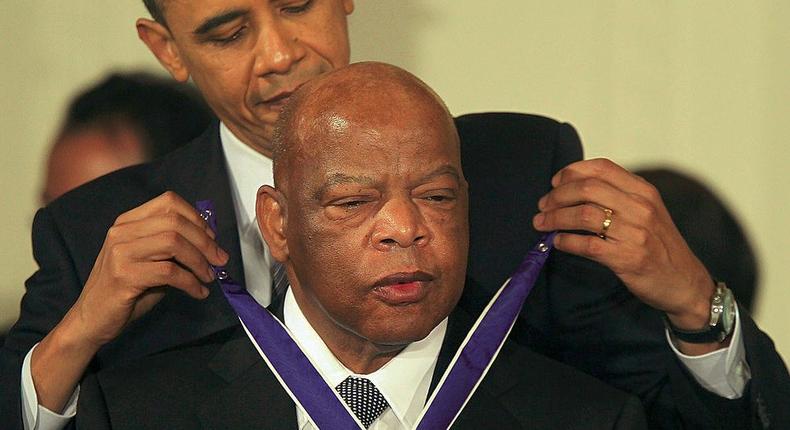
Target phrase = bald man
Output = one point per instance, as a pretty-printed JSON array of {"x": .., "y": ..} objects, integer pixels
[
  {"x": 369, "y": 217},
  {"x": 96, "y": 300}
]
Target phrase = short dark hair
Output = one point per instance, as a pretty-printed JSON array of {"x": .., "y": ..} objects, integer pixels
[
  {"x": 166, "y": 114},
  {"x": 710, "y": 229},
  {"x": 156, "y": 9}
]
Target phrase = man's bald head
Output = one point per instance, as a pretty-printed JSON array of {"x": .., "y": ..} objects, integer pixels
[{"x": 376, "y": 94}]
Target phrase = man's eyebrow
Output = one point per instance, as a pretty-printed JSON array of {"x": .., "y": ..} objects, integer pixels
[
  {"x": 218, "y": 20},
  {"x": 341, "y": 178},
  {"x": 446, "y": 169}
]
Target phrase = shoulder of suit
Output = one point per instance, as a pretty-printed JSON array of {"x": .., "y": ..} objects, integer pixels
[
  {"x": 507, "y": 123},
  {"x": 506, "y": 117},
  {"x": 498, "y": 141}
]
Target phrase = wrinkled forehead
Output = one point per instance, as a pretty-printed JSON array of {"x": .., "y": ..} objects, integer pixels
[
  {"x": 393, "y": 129},
  {"x": 393, "y": 106},
  {"x": 365, "y": 107}
]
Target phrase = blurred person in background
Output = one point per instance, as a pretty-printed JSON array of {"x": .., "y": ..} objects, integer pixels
[
  {"x": 710, "y": 229},
  {"x": 126, "y": 119}
]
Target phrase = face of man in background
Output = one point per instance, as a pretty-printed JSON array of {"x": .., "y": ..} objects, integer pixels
[
  {"x": 376, "y": 224},
  {"x": 248, "y": 56},
  {"x": 79, "y": 156}
]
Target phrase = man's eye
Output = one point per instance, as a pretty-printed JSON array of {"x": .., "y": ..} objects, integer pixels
[
  {"x": 439, "y": 197},
  {"x": 230, "y": 39},
  {"x": 349, "y": 203},
  {"x": 297, "y": 9},
  {"x": 352, "y": 204}
]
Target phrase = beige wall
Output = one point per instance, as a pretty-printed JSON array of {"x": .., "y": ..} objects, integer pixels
[{"x": 700, "y": 85}]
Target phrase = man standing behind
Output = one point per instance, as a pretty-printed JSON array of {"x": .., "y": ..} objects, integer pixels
[
  {"x": 370, "y": 218},
  {"x": 102, "y": 267}
]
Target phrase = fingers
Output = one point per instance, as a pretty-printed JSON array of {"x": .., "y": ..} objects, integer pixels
[
  {"x": 607, "y": 171},
  {"x": 148, "y": 276},
  {"x": 173, "y": 224},
  {"x": 628, "y": 212},
  {"x": 630, "y": 256},
  {"x": 587, "y": 217},
  {"x": 585, "y": 188},
  {"x": 169, "y": 273},
  {"x": 163, "y": 242},
  {"x": 166, "y": 203},
  {"x": 163, "y": 247}
]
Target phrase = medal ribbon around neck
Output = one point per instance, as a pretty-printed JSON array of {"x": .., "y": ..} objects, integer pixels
[{"x": 323, "y": 405}]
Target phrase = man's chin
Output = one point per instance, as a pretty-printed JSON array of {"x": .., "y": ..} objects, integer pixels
[{"x": 401, "y": 331}]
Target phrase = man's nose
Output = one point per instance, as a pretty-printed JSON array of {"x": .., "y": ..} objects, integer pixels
[
  {"x": 278, "y": 48},
  {"x": 399, "y": 223}
]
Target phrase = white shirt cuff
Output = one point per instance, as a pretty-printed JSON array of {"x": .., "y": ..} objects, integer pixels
[
  {"x": 37, "y": 417},
  {"x": 723, "y": 372}
]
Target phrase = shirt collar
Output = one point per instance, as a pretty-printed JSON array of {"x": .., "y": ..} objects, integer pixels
[
  {"x": 248, "y": 170},
  {"x": 415, "y": 363}
]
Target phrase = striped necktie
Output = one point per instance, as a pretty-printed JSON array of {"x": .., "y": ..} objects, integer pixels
[{"x": 279, "y": 279}]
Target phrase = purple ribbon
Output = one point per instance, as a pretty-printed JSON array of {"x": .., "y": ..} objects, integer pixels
[
  {"x": 320, "y": 401},
  {"x": 481, "y": 346}
]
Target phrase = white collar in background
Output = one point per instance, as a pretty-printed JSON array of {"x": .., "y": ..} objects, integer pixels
[
  {"x": 248, "y": 170},
  {"x": 404, "y": 381}
]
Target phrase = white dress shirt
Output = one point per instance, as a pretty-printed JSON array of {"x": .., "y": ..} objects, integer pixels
[
  {"x": 249, "y": 170},
  {"x": 723, "y": 372},
  {"x": 415, "y": 363}
]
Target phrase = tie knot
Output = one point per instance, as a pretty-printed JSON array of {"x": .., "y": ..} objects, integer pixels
[{"x": 363, "y": 398}]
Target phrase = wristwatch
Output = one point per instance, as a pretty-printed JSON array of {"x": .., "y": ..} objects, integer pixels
[{"x": 722, "y": 319}]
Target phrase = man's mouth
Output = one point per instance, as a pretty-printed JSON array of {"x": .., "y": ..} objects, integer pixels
[
  {"x": 403, "y": 287},
  {"x": 279, "y": 100}
]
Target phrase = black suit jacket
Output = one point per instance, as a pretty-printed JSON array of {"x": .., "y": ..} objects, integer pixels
[
  {"x": 222, "y": 383},
  {"x": 579, "y": 313}
]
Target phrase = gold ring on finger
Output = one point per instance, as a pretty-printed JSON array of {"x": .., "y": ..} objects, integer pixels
[{"x": 607, "y": 222}]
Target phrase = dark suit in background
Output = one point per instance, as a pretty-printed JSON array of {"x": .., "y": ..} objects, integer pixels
[{"x": 579, "y": 313}]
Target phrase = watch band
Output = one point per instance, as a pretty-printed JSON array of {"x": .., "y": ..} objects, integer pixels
[{"x": 722, "y": 316}]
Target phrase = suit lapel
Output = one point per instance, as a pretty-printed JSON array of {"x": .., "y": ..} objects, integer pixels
[
  {"x": 252, "y": 398},
  {"x": 201, "y": 174}
]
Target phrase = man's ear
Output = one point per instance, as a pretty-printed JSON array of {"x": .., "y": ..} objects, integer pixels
[
  {"x": 271, "y": 213},
  {"x": 348, "y": 6},
  {"x": 160, "y": 41}
]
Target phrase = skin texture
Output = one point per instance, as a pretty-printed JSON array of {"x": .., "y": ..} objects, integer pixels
[
  {"x": 83, "y": 155},
  {"x": 374, "y": 189}
]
